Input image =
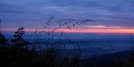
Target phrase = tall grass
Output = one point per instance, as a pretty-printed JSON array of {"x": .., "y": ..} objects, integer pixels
[{"x": 43, "y": 51}]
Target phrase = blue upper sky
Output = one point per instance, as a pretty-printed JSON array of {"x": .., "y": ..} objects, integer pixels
[{"x": 34, "y": 13}]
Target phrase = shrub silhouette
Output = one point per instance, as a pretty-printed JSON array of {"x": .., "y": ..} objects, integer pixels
[{"x": 3, "y": 40}]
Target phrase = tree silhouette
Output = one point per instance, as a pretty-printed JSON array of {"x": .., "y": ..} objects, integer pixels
[
  {"x": 18, "y": 38},
  {"x": 3, "y": 40}
]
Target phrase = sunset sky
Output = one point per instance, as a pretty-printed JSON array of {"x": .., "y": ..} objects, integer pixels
[{"x": 110, "y": 16}]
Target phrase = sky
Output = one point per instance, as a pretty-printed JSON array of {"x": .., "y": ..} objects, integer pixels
[{"x": 110, "y": 16}]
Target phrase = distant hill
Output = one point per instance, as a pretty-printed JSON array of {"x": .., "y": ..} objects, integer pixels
[{"x": 108, "y": 58}]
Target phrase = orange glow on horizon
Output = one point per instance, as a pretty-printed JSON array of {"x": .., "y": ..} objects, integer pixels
[
  {"x": 114, "y": 31},
  {"x": 125, "y": 31}
]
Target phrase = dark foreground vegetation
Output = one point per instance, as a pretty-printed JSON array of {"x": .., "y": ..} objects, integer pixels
[{"x": 19, "y": 52}]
